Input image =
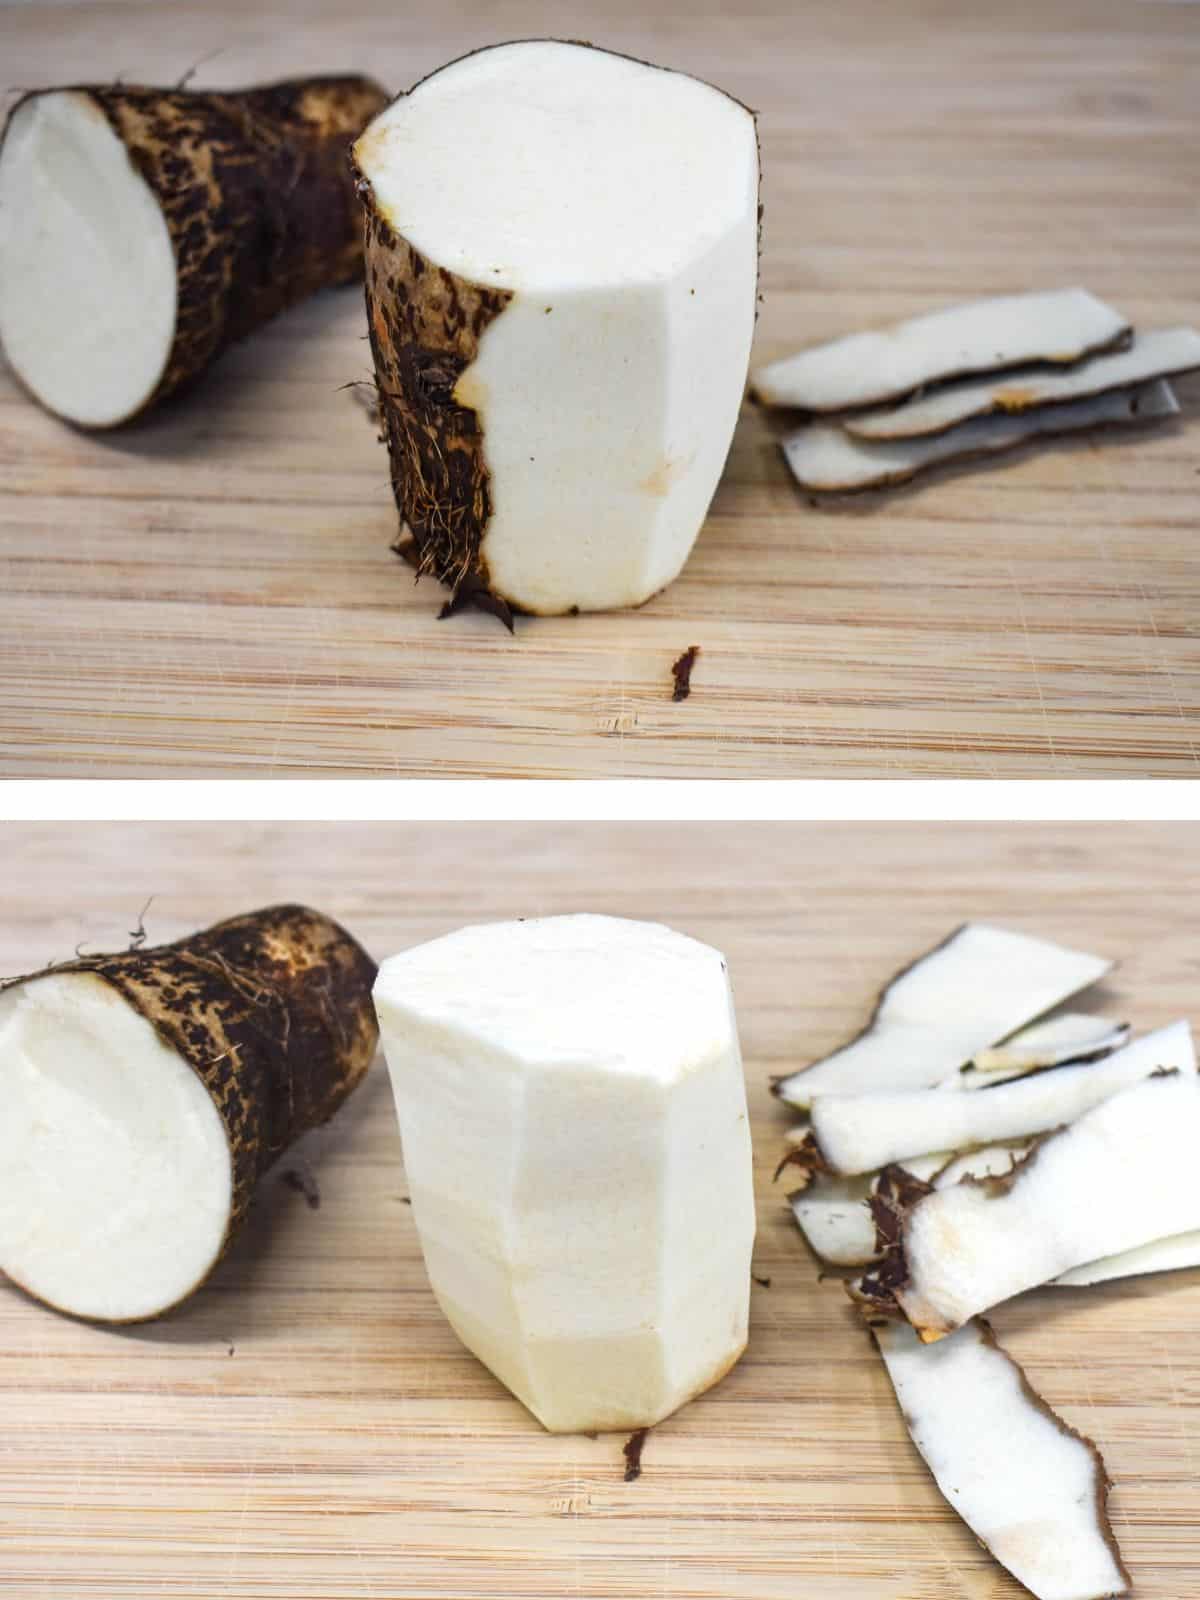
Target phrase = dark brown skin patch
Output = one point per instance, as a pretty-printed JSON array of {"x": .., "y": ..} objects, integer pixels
[
  {"x": 273, "y": 1013},
  {"x": 256, "y": 194},
  {"x": 304, "y": 1181},
  {"x": 808, "y": 1156},
  {"x": 681, "y": 671},
  {"x": 763, "y": 1283},
  {"x": 425, "y": 325},
  {"x": 632, "y": 1451},
  {"x": 894, "y": 1196}
]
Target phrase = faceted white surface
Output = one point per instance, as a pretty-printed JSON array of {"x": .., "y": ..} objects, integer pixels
[{"x": 573, "y": 1114}]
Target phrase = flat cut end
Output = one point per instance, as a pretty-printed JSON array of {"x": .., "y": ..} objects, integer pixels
[
  {"x": 88, "y": 281},
  {"x": 115, "y": 1171}
]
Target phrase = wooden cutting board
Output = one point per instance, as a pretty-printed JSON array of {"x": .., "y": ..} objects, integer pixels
[
  {"x": 212, "y": 591},
  {"x": 308, "y": 1428}
]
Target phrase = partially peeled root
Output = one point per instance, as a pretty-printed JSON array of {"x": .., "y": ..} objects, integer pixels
[
  {"x": 147, "y": 1092},
  {"x": 827, "y": 459},
  {"x": 1059, "y": 326},
  {"x": 1032, "y": 1490},
  {"x": 1161, "y": 353},
  {"x": 971, "y": 991},
  {"x": 562, "y": 259},
  {"x": 143, "y": 231},
  {"x": 1121, "y": 1176}
]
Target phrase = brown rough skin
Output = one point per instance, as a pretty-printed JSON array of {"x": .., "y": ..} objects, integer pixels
[
  {"x": 257, "y": 196},
  {"x": 425, "y": 326},
  {"x": 273, "y": 1013}
]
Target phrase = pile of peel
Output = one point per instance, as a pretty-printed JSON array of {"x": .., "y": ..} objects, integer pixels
[
  {"x": 970, "y": 380},
  {"x": 963, "y": 1149}
]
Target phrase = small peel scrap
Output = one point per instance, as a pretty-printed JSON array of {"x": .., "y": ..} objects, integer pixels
[
  {"x": 1068, "y": 1037},
  {"x": 952, "y": 1253},
  {"x": 858, "y": 1133},
  {"x": 1057, "y": 325},
  {"x": 835, "y": 1218},
  {"x": 969, "y": 992},
  {"x": 1032, "y": 1490},
  {"x": 1161, "y": 353},
  {"x": 826, "y": 459}
]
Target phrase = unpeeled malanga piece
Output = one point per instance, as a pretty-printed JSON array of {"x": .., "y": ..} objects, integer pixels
[
  {"x": 1058, "y": 325},
  {"x": 562, "y": 258},
  {"x": 1031, "y": 1489},
  {"x": 826, "y": 458},
  {"x": 143, "y": 230},
  {"x": 147, "y": 1092},
  {"x": 974, "y": 989}
]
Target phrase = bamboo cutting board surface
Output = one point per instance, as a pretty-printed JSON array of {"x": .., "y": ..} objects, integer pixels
[
  {"x": 212, "y": 591},
  {"x": 308, "y": 1428}
]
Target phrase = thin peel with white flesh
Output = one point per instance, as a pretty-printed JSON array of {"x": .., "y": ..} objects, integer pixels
[
  {"x": 1032, "y": 1490},
  {"x": 1161, "y": 353},
  {"x": 1162, "y": 1255},
  {"x": 1069, "y": 1036},
  {"x": 975, "y": 988},
  {"x": 865, "y": 1132},
  {"x": 1058, "y": 325},
  {"x": 828, "y": 460},
  {"x": 1121, "y": 1176}
]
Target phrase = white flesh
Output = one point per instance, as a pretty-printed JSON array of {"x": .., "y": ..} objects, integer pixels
[
  {"x": 115, "y": 1175},
  {"x": 1058, "y": 325},
  {"x": 863, "y": 1132},
  {"x": 833, "y": 1214},
  {"x": 1028, "y": 1487},
  {"x": 971, "y": 991},
  {"x": 1161, "y": 353},
  {"x": 1123, "y": 1175},
  {"x": 619, "y": 204},
  {"x": 87, "y": 270},
  {"x": 573, "y": 1116},
  {"x": 1162, "y": 1255},
  {"x": 826, "y": 458},
  {"x": 1070, "y": 1036}
]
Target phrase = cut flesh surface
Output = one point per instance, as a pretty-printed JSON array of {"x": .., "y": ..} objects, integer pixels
[
  {"x": 87, "y": 269},
  {"x": 613, "y": 206},
  {"x": 556, "y": 1081},
  {"x": 1031, "y": 1489},
  {"x": 827, "y": 459},
  {"x": 1123, "y": 1175},
  {"x": 1058, "y": 325},
  {"x": 1069, "y": 1036},
  {"x": 1161, "y": 353},
  {"x": 970, "y": 991},
  {"x": 864, "y": 1132},
  {"x": 1162, "y": 1255},
  {"x": 115, "y": 1172}
]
